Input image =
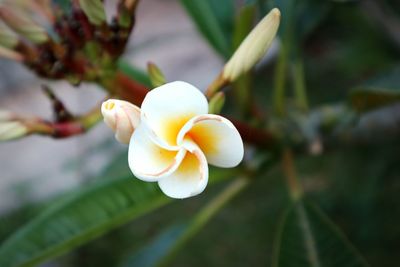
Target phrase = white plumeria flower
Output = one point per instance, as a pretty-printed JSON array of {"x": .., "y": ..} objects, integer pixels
[
  {"x": 176, "y": 138},
  {"x": 122, "y": 117}
]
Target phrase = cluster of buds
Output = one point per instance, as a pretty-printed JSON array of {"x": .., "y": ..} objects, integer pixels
[{"x": 76, "y": 43}]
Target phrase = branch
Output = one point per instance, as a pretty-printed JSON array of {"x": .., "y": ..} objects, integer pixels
[{"x": 17, "y": 127}]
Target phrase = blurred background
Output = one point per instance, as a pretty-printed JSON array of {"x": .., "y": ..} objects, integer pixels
[{"x": 345, "y": 45}]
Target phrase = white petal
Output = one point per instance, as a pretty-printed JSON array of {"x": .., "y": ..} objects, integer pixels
[
  {"x": 217, "y": 137},
  {"x": 122, "y": 117},
  {"x": 147, "y": 160},
  {"x": 167, "y": 108},
  {"x": 190, "y": 178}
]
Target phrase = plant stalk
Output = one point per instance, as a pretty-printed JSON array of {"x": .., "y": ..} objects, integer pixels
[
  {"x": 300, "y": 84},
  {"x": 289, "y": 170},
  {"x": 204, "y": 216}
]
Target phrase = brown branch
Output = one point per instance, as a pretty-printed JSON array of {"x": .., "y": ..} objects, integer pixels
[
  {"x": 64, "y": 129},
  {"x": 255, "y": 136}
]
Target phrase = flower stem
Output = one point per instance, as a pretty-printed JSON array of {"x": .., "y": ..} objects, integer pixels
[
  {"x": 300, "y": 84},
  {"x": 289, "y": 170},
  {"x": 204, "y": 216},
  {"x": 280, "y": 82}
]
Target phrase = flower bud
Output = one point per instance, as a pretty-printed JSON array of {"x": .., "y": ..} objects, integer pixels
[
  {"x": 216, "y": 103},
  {"x": 94, "y": 10},
  {"x": 157, "y": 78},
  {"x": 122, "y": 117},
  {"x": 10, "y": 54},
  {"x": 12, "y": 130},
  {"x": 8, "y": 39},
  {"x": 6, "y": 115},
  {"x": 254, "y": 46},
  {"x": 130, "y": 4},
  {"x": 23, "y": 25}
]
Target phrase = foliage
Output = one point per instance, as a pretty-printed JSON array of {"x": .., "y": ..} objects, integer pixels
[{"x": 330, "y": 208}]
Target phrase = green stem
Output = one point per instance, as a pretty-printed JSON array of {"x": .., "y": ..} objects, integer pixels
[
  {"x": 300, "y": 84},
  {"x": 91, "y": 118},
  {"x": 280, "y": 82},
  {"x": 289, "y": 170},
  {"x": 204, "y": 216}
]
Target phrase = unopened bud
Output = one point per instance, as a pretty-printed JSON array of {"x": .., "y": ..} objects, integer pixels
[
  {"x": 122, "y": 117},
  {"x": 254, "y": 46},
  {"x": 156, "y": 76},
  {"x": 216, "y": 103},
  {"x": 26, "y": 27},
  {"x": 94, "y": 10},
  {"x": 8, "y": 39},
  {"x": 130, "y": 4},
  {"x": 10, "y": 54},
  {"x": 12, "y": 130},
  {"x": 5, "y": 115}
]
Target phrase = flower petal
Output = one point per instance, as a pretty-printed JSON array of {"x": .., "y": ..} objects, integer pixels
[
  {"x": 167, "y": 108},
  {"x": 147, "y": 160},
  {"x": 190, "y": 178},
  {"x": 217, "y": 137}
]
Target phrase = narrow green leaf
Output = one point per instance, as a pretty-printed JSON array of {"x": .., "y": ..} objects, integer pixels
[
  {"x": 81, "y": 218},
  {"x": 378, "y": 92},
  {"x": 224, "y": 11},
  {"x": 308, "y": 238},
  {"x": 244, "y": 22},
  {"x": 85, "y": 215},
  {"x": 206, "y": 21}
]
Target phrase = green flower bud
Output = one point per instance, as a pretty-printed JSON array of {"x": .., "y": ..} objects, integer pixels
[
  {"x": 5, "y": 115},
  {"x": 12, "y": 130},
  {"x": 26, "y": 27},
  {"x": 157, "y": 78},
  {"x": 8, "y": 39},
  {"x": 94, "y": 10},
  {"x": 253, "y": 47},
  {"x": 10, "y": 54},
  {"x": 216, "y": 103}
]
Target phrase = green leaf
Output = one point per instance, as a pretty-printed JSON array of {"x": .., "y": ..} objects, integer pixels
[
  {"x": 224, "y": 11},
  {"x": 209, "y": 25},
  {"x": 308, "y": 238},
  {"x": 244, "y": 22},
  {"x": 80, "y": 218},
  {"x": 85, "y": 215},
  {"x": 378, "y": 92}
]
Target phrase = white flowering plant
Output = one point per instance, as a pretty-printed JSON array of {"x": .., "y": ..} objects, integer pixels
[{"x": 238, "y": 141}]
